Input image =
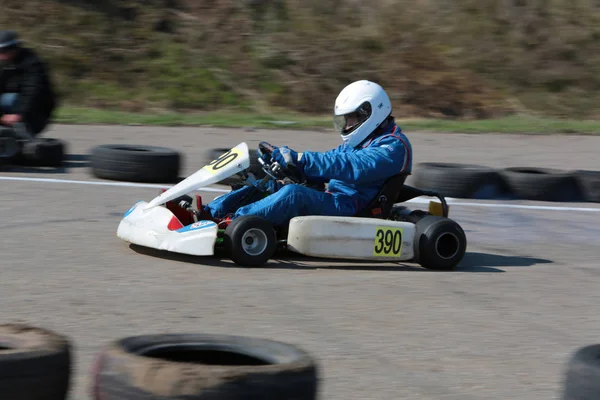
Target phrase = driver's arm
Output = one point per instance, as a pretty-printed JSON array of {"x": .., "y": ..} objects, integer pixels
[{"x": 378, "y": 161}]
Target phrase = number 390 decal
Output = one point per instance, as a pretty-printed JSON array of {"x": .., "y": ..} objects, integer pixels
[
  {"x": 388, "y": 241},
  {"x": 224, "y": 160}
]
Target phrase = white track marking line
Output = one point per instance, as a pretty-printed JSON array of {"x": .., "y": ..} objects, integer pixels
[
  {"x": 457, "y": 202},
  {"x": 450, "y": 201}
]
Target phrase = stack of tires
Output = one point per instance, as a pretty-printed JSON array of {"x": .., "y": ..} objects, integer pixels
[
  {"x": 37, "y": 364},
  {"x": 467, "y": 181}
]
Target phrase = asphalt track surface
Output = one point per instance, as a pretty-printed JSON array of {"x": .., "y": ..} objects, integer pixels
[{"x": 503, "y": 326}]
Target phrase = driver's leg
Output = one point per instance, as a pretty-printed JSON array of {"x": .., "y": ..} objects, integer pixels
[
  {"x": 228, "y": 203},
  {"x": 295, "y": 200}
]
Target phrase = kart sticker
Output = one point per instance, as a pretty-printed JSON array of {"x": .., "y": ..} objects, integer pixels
[
  {"x": 224, "y": 160},
  {"x": 131, "y": 209},
  {"x": 388, "y": 241},
  {"x": 197, "y": 225}
]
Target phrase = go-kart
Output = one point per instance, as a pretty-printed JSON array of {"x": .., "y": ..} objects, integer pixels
[{"x": 383, "y": 231}]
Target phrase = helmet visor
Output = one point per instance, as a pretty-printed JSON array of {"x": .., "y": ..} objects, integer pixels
[{"x": 348, "y": 123}]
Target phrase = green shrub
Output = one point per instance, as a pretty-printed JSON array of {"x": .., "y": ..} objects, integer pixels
[{"x": 456, "y": 59}]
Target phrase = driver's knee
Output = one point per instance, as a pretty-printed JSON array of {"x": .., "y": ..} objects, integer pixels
[
  {"x": 290, "y": 190},
  {"x": 221, "y": 205},
  {"x": 300, "y": 196}
]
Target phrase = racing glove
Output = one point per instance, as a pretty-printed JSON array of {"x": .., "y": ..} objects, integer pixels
[{"x": 285, "y": 156}]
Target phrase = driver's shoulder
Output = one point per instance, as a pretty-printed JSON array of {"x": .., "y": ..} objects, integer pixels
[{"x": 393, "y": 138}]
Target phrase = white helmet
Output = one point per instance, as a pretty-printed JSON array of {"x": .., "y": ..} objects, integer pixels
[{"x": 370, "y": 103}]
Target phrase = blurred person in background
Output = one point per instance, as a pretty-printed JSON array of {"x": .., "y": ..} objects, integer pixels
[{"x": 27, "y": 98}]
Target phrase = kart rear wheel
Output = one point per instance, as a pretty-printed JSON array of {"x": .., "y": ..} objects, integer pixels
[
  {"x": 440, "y": 243},
  {"x": 250, "y": 241}
]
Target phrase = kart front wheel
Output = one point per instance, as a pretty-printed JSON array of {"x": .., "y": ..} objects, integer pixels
[{"x": 250, "y": 241}]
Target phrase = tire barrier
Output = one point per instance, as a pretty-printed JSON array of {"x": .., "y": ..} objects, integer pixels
[
  {"x": 203, "y": 366},
  {"x": 582, "y": 378},
  {"x": 43, "y": 152},
  {"x": 35, "y": 363},
  {"x": 135, "y": 163},
  {"x": 465, "y": 181},
  {"x": 542, "y": 184},
  {"x": 519, "y": 183},
  {"x": 589, "y": 184},
  {"x": 39, "y": 152}
]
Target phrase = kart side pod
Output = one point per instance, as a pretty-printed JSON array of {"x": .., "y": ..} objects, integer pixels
[
  {"x": 434, "y": 242},
  {"x": 351, "y": 238}
]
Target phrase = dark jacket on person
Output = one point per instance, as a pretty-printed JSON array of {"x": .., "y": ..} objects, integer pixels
[{"x": 28, "y": 76}]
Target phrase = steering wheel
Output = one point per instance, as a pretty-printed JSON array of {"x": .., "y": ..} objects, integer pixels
[
  {"x": 265, "y": 151},
  {"x": 274, "y": 170}
]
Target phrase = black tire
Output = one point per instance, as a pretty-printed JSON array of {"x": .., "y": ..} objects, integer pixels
[
  {"x": 34, "y": 363},
  {"x": 464, "y": 181},
  {"x": 9, "y": 150},
  {"x": 582, "y": 378},
  {"x": 43, "y": 152},
  {"x": 542, "y": 184},
  {"x": 589, "y": 185},
  {"x": 135, "y": 163},
  {"x": 439, "y": 243},
  {"x": 255, "y": 166},
  {"x": 204, "y": 367},
  {"x": 234, "y": 236}
]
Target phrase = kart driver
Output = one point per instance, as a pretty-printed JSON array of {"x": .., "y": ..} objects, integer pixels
[
  {"x": 373, "y": 149},
  {"x": 26, "y": 95}
]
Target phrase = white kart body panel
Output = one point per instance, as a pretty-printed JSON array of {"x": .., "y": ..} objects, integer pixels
[
  {"x": 148, "y": 227},
  {"x": 147, "y": 223},
  {"x": 211, "y": 173},
  {"x": 352, "y": 238}
]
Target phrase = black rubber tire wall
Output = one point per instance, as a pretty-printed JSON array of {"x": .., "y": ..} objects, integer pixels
[
  {"x": 457, "y": 180},
  {"x": 544, "y": 184},
  {"x": 135, "y": 163},
  {"x": 589, "y": 185},
  {"x": 44, "y": 152},
  {"x": 124, "y": 373},
  {"x": 38, "y": 366}
]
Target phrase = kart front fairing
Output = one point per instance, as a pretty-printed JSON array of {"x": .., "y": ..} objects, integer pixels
[
  {"x": 150, "y": 224},
  {"x": 228, "y": 164}
]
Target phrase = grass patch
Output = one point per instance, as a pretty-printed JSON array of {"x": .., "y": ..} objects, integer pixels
[
  {"x": 437, "y": 59},
  {"x": 235, "y": 119}
]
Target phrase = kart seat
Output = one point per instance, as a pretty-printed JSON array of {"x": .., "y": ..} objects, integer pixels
[
  {"x": 395, "y": 191},
  {"x": 381, "y": 205}
]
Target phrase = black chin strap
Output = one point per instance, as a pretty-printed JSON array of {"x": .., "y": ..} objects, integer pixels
[{"x": 378, "y": 131}]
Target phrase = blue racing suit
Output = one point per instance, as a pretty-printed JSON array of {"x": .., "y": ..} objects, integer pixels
[{"x": 355, "y": 176}]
